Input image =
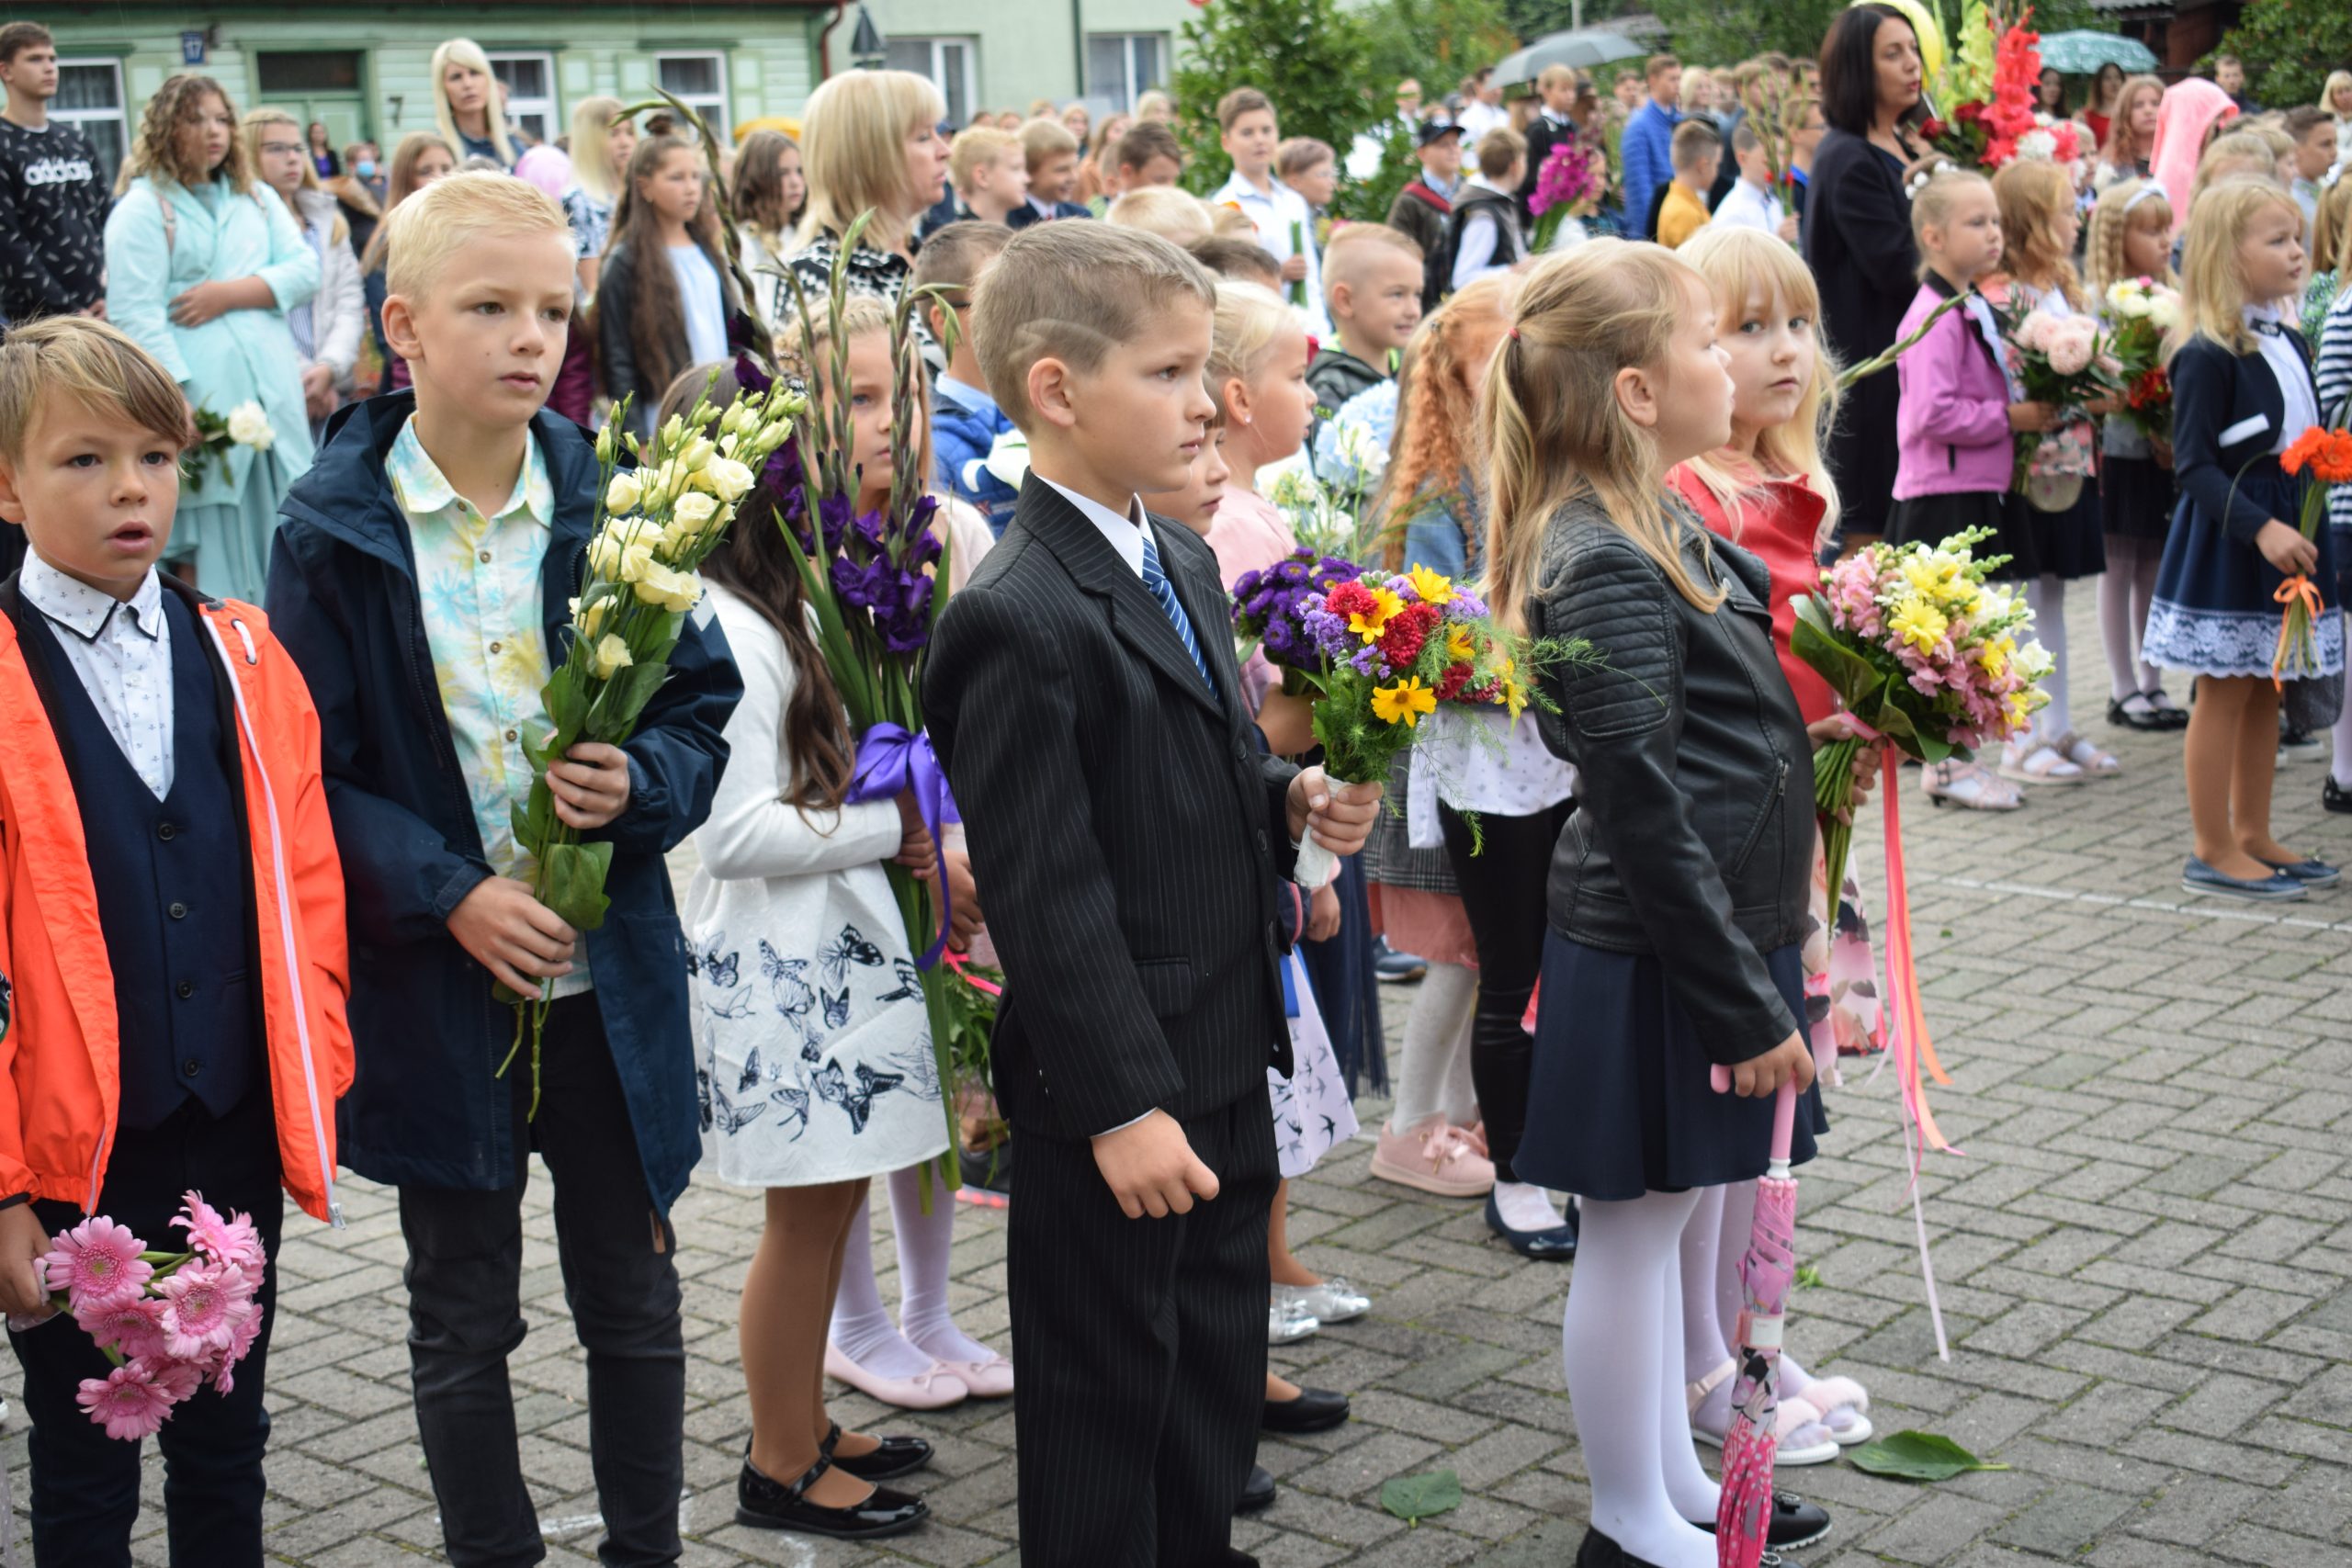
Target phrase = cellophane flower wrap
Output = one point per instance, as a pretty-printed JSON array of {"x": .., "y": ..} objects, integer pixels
[
  {"x": 874, "y": 579},
  {"x": 2140, "y": 311},
  {"x": 655, "y": 523},
  {"x": 2321, "y": 458},
  {"x": 1920, "y": 647},
  {"x": 1570, "y": 185},
  {"x": 170, "y": 1322},
  {"x": 2063, "y": 361}
]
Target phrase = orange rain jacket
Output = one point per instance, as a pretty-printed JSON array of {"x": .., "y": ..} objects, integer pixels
[{"x": 60, "y": 1054}]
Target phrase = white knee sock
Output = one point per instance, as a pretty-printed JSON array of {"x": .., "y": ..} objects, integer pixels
[
  {"x": 862, "y": 1327},
  {"x": 1614, "y": 1346},
  {"x": 2047, "y": 595},
  {"x": 1693, "y": 1492},
  {"x": 1436, "y": 1032},
  {"x": 923, "y": 1242},
  {"x": 2116, "y": 625}
]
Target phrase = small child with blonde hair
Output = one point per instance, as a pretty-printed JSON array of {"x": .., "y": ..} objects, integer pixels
[
  {"x": 1371, "y": 285},
  {"x": 1174, "y": 215},
  {"x": 990, "y": 172}
]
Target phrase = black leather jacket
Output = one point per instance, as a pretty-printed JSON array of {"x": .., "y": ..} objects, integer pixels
[{"x": 1692, "y": 837}]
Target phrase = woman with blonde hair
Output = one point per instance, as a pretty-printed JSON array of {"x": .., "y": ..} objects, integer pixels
[
  {"x": 603, "y": 142},
  {"x": 870, "y": 141},
  {"x": 327, "y": 330},
  {"x": 203, "y": 262},
  {"x": 469, "y": 105},
  {"x": 1156, "y": 105},
  {"x": 2336, "y": 97}
]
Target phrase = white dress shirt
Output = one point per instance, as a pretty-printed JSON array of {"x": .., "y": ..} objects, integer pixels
[
  {"x": 1272, "y": 217},
  {"x": 1751, "y": 206},
  {"x": 2294, "y": 378},
  {"x": 1125, "y": 534},
  {"x": 122, "y": 652},
  {"x": 1476, "y": 251}
]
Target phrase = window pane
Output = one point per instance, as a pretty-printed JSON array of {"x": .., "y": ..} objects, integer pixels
[
  {"x": 525, "y": 77},
  {"x": 86, "y": 87},
  {"x": 691, "y": 75},
  {"x": 309, "y": 70},
  {"x": 105, "y": 136},
  {"x": 954, "y": 64},
  {"x": 909, "y": 54},
  {"x": 534, "y": 126},
  {"x": 1106, "y": 69},
  {"x": 1147, "y": 75}
]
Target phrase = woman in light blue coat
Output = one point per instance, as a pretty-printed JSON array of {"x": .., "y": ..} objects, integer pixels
[{"x": 203, "y": 263}]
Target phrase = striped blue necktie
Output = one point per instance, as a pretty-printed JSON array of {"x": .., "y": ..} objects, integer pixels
[{"x": 1162, "y": 590}]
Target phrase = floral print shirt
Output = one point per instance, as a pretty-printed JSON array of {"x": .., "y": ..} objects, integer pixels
[{"x": 477, "y": 578}]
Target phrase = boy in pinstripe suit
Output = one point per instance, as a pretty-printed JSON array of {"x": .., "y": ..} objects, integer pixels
[{"x": 1083, "y": 694}]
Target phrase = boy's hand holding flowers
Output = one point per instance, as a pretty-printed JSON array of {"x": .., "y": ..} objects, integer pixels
[
  {"x": 505, "y": 929},
  {"x": 1340, "y": 816},
  {"x": 590, "y": 786},
  {"x": 23, "y": 1281}
]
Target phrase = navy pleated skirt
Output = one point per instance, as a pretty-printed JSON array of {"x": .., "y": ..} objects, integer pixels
[{"x": 1621, "y": 1104}]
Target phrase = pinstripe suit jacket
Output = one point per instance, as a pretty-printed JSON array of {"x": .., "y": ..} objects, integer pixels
[{"x": 1125, "y": 827}]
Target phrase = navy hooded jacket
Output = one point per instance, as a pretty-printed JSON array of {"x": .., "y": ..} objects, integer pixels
[{"x": 424, "y": 1108}]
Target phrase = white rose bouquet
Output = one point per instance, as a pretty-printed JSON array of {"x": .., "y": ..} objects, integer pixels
[{"x": 655, "y": 524}]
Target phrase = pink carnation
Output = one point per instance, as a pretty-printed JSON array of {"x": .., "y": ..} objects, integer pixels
[
  {"x": 202, "y": 1308},
  {"x": 128, "y": 1402},
  {"x": 96, "y": 1264},
  {"x": 134, "y": 1327}
]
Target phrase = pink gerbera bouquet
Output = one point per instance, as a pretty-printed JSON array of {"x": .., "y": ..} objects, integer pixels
[{"x": 171, "y": 1322}]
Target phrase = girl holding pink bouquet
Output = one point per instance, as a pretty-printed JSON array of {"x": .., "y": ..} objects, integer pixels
[
  {"x": 1770, "y": 491},
  {"x": 2039, "y": 223},
  {"x": 1957, "y": 423}
]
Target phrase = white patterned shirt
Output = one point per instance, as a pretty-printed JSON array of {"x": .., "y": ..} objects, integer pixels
[
  {"x": 477, "y": 578},
  {"x": 122, "y": 652}
]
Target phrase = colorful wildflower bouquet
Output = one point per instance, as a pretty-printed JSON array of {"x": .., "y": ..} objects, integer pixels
[
  {"x": 872, "y": 579},
  {"x": 655, "y": 523},
  {"x": 1378, "y": 651},
  {"x": 2323, "y": 457},
  {"x": 1925, "y": 652},
  {"x": 2142, "y": 311},
  {"x": 170, "y": 1322},
  {"x": 1570, "y": 185},
  {"x": 246, "y": 425}
]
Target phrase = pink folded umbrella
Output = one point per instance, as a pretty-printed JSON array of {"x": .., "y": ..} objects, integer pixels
[{"x": 1767, "y": 1271}]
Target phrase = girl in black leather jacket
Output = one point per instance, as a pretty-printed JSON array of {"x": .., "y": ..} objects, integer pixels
[{"x": 1679, "y": 888}]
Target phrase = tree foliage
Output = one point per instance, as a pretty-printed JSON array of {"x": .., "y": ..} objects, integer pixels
[
  {"x": 1436, "y": 43},
  {"x": 2289, "y": 46},
  {"x": 1313, "y": 58}
]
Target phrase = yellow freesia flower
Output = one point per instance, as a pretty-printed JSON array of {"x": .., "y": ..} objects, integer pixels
[
  {"x": 1403, "y": 702},
  {"x": 1458, "y": 645},
  {"x": 1434, "y": 588},
  {"x": 1369, "y": 627},
  {"x": 1918, "y": 623}
]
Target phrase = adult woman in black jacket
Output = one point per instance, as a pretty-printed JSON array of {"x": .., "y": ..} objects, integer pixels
[{"x": 1858, "y": 238}]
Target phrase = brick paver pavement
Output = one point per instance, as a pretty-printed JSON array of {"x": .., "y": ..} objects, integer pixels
[{"x": 2144, "y": 1261}]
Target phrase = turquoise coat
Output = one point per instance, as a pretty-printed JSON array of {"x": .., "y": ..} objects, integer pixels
[{"x": 240, "y": 355}]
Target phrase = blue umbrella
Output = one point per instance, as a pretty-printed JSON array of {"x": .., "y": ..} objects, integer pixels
[{"x": 2081, "y": 53}]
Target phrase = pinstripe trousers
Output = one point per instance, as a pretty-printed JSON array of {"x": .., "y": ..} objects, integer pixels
[{"x": 1139, "y": 1352}]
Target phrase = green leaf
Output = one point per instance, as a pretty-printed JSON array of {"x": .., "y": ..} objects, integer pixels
[
  {"x": 615, "y": 716},
  {"x": 1917, "y": 1456},
  {"x": 574, "y": 877},
  {"x": 1808, "y": 1276},
  {"x": 1415, "y": 1497},
  {"x": 566, "y": 697},
  {"x": 1851, "y": 676}
]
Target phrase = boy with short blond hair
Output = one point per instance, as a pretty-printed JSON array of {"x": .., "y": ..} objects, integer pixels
[
  {"x": 987, "y": 170},
  {"x": 1052, "y": 154},
  {"x": 1698, "y": 147},
  {"x": 163, "y": 812},
  {"x": 965, "y": 423},
  {"x": 1279, "y": 216},
  {"x": 1371, "y": 278},
  {"x": 421, "y": 577},
  {"x": 1174, "y": 215},
  {"x": 1083, "y": 696}
]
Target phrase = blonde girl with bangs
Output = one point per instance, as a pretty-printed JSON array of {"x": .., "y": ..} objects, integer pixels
[
  {"x": 2242, "y": 390},
  {"x": 870, "y": 142},
  {"x": 470, "y": 104},
  {"x": 1689, "y": 744},
  {"x": 2131, "y": 238},
  {"x": 602, "y": 142},
  {"x": 203, "y": 263},
  {"x": 1768, "y": 489}
]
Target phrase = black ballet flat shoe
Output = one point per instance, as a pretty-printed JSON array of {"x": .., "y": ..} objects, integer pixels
[
  {"x": 2142, "y": 719},
  {"x": 1796, "y": 1522},
  {"x": 1557, "y": 1244},
  {"x": 2334, "y": 796},
  {"x": 1600, "y": 1551},
  {"x": 766, "y": 1504},
  {"x": 1257, "y": 1493},
  {"x": 896, "y": 1457},
  {"x": 1315, "y": 1410}
]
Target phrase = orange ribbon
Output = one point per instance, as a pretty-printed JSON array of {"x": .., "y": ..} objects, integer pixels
[{"x": 2296, "y": 592}]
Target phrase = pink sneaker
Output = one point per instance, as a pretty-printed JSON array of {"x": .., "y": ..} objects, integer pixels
[{"x": 1434, "y": 1157}]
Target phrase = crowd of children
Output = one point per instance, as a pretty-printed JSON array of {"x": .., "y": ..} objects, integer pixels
[{"x": 1619, "y": 440}]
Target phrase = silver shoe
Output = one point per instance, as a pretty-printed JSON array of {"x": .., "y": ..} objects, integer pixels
[
  {"x": 1333, "y": 1300},
  {"x": 1288, "y": 1320}
]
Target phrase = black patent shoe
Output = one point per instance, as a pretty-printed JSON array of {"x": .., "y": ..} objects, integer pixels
[
  {"x": 1257, "y": 1493},
  {"x": 1315, "y": 1410},
  {"x": 1796, "y": 1522},
  {"x": 1557, "y": 1243},
  {"x": 1600, "y": 1551},
  {"x": 768, "y": 1505},
  {"x": 896, "y": 1457},
  {"x": 2334, "y": 796}
]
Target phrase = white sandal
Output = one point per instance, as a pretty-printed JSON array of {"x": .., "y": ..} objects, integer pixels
[
  {"x": 1969, "y": 785},
  {"x": 2078, "y": 749},
  {"x": 2043, "y": 765},
  {"x": 1798, "y": 1432}
]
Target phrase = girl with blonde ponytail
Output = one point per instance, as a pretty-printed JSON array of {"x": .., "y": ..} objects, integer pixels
[{"x": 1692, "y": 835}]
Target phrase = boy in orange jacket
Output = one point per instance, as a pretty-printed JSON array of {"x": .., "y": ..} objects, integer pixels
[{"x": 171, "y": 922}]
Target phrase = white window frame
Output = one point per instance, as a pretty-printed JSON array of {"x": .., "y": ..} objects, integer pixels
[
  {"x": 78, "y": 117},
  {"x": 937, "y": 73},
  {"x": 722, "y": 122},
  {"x": 1122, "y": 95},
  {"x": 544, "y": 108}
]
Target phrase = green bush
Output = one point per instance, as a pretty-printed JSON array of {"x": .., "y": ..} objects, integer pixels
[
  {"x": 2289, "y": 47},
  {"x": 1313, "y": 58}
]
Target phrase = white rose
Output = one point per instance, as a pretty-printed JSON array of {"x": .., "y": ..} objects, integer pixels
[
  {"x": 623, "y": 493},
  {"x": 248, "y": 426},
  {"x": 592, "y": 619},
  {"x": 697, "y": 452},
  {"x": 668, "y": 589},
  {"x": 730, "y": 479},
  {"x": 695, "y": 509},
  {"x": 610, "y": 659},
  {"x": 2136, "y": 305}
]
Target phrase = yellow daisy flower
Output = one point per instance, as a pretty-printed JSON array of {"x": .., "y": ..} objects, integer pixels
[
  {"x": 1433, "y": 587},
  {"x": 1369, "y": 627},
  {"x": 1403, "y": 702},
  {"x": 1458, "y": 646}
]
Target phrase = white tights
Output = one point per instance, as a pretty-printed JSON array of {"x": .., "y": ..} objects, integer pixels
[
  {"x": 1434, "y": 1078},
  {"x": 925, "y": 1332},
  {"x": 1625, "y": 1385},
  {"x": 2124, "y": 595},
  {"x": 2047, "y": 595}
]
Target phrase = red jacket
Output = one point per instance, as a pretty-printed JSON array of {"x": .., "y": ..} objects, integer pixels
[{"x": 60, "y": 1052}]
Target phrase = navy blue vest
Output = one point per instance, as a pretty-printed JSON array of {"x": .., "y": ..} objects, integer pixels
[{"x": 171, "y": 877}]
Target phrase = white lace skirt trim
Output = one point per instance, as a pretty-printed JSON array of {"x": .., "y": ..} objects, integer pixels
[{"x": 2225, "y": 643}]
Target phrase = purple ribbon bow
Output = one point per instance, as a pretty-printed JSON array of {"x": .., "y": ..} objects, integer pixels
[{"x": 889, "y": 758}]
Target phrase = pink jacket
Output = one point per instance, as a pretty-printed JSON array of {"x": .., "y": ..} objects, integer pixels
[{"x": 1951, "y": 430}]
